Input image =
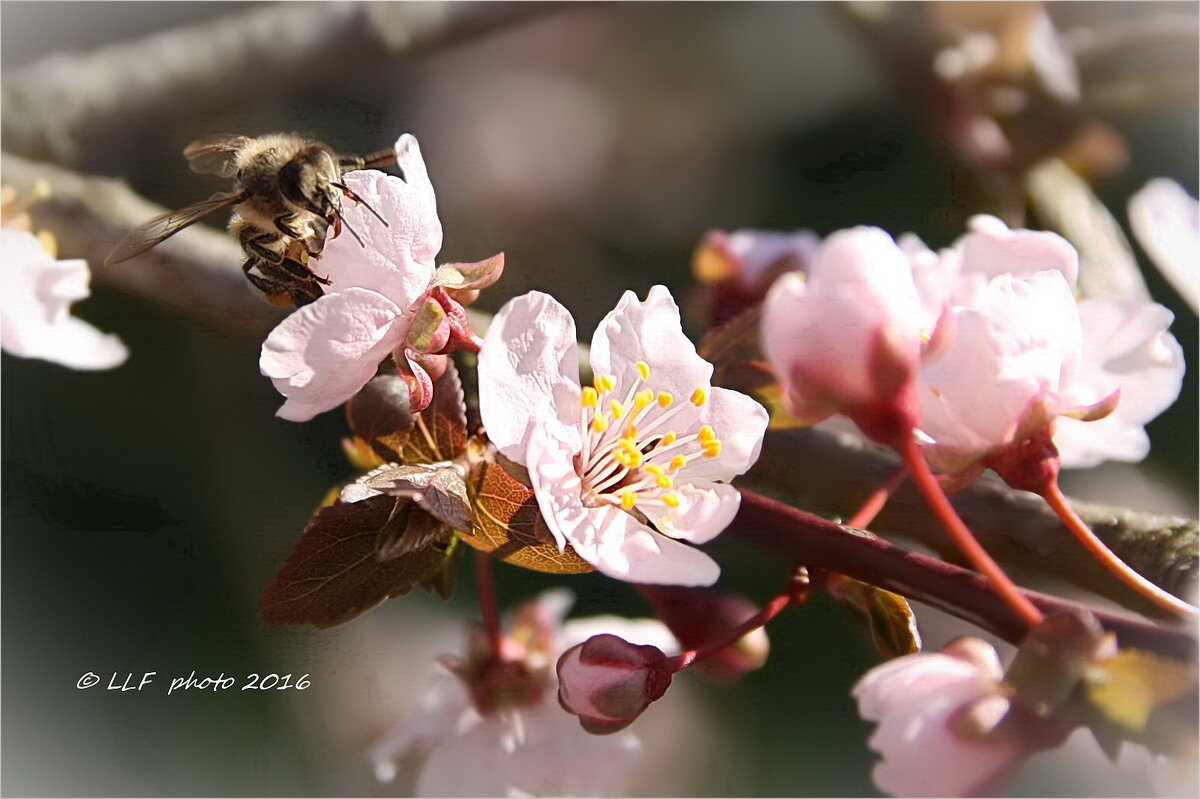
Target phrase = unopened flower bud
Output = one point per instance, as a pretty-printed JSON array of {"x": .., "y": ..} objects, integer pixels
[{"x": 608, "y": 682}]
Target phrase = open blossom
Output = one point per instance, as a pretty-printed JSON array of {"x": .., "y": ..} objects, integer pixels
[
  {"x": 934, "y": 712},
  {"x": 499, "y": 731},
  {"x": 626, "y": 469},
  {"x": 1166, "y": 221},
  {"x": 324, "y": 352},
  {"x": 848, "y": 338},
  {"x": 36, "y": 294},
  {"x": 1021, "y": 353}
]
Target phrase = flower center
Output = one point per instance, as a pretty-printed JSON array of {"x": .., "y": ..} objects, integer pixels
[{"x": 631, "y": 455}]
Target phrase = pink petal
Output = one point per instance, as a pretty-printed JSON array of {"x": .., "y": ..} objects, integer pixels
[
  {"x": 740, "y": 423},
  {"x": 397, "y": 259},
  {"x": 991, "y": 249},
  {"x": 529, "y": 373},
  {"x": 322, "y": 354},
  {"x": 703, "y": 512},
  {"x": 1166, "y": 221}
]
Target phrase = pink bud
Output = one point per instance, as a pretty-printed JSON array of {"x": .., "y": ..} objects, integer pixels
[{"x": 608, "y": 682}]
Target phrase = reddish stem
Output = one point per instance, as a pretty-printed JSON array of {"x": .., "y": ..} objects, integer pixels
[
  {"x": 1096, "y": 548},
  {"x": 962, "y": 536},
  {"x": 487, "y": 598},
  {"x": 795, "y": 535},
  {"x": 769, "y": 611},
  {"x": 874, "y": 504}
]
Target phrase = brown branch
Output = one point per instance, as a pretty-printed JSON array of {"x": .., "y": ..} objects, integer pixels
[
  {"x": 818, "y": 543},
  {"x": 832, "y": 474},
  {"x": 56, "y": 106}
]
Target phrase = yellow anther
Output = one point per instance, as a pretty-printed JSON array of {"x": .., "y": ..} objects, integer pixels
[
  {"x": 665, "y": 398},
  {"x": 631, "y": 432},
  {"x": 635, "y": 459},
  {"x": 665, "y": 482},
  {"x": 604, "y": 383},
  {"x": 712, "y": 449},
  {"x": 678, "y": 462},
  {"x": 590, "y": 397},
  {"x": 671, "y": 499},
  {"x": 600, "y": 423},
  {"x": 668, "y": 439},
  {"x": 621, "y": 456},
  {"x": 643, "y": 369},
  {"x": 618, "y": 409},
  {"x": 706, "y": 434},
  {"x": 643, "y": 398},
  {"x": 655, "y": 470},
  {"x": 699, "y": 396},
  {"x": 628, "y": 500}
]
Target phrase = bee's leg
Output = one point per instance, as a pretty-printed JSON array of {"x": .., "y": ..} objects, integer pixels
[
  {"x": 283, "y": 224},
  {"x": 257, "y": 243},
  {"x": 276, "y": 293}
]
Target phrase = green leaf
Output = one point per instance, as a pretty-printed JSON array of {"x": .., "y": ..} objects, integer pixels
[
  {"x": 887, "y": 616},
  {"x": 1127, "y": 687},
  {"x": 353, "y": 556}
]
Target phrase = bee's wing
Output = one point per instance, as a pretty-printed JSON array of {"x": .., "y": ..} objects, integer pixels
[
  {"x": 213, "y": 155},
  {"x": 161, "y": 227},
  {"x": 381, "y": 158}
]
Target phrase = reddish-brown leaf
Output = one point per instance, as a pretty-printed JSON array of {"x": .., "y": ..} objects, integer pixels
[
  {"x": 887, "y": 616},
  {"x": 353, "y": 556},
  {"x": 440, "y": 432},
  {"x": 508, "y": 523}
]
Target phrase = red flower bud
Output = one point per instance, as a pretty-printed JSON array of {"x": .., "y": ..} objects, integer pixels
[{"x": 608, "y": 682}]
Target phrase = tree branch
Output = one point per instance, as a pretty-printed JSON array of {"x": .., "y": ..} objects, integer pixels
[{"x": 819, "y": 543}]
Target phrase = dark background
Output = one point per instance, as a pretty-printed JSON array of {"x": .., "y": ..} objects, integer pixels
[{"x": 145, "y": 509}]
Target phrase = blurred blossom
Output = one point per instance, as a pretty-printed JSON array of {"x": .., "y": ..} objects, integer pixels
[
  {"x": 935, "y": 713},
  {"x": 1166, "y": 221},
  {"x": 627, "y": 469},
  {"x": 36, "y": 294},
  {"x": 515, "y": 742}
]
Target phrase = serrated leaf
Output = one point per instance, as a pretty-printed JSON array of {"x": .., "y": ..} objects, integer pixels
[
  {"x": 439, "y": 490},
  {"x": 335, "y": 572},
  {"x": 1127, "y": 687},
  {"x": 440, "y": 432},
  {"x": 887, "y": 616},
  {"x": 509, "y": 524}
]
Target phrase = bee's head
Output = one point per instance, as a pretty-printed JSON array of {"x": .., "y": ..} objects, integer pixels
[{"x": 306, "y": 181}]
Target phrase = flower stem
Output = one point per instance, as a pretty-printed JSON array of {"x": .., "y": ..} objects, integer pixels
[
  {"x": 796, "y": 592},
  {"x": 874, "y": 504},
  {"x": 963, "y": 539},
  {"x": 487, "y": 598},
  {"x": 1095, "y": 547}
]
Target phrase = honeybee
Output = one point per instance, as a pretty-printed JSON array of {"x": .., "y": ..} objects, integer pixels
[{"x": 286, "y": 194}]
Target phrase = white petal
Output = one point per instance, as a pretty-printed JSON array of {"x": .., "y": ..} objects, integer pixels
[
  {"x": 35, "y": 300},
  {"x": 740, "y": 423},
  {"x": 529, "y": 373},
  {"x": 397, "y": 259},
  {"x": 1166, "y": 221},
  {"x": 322, "y": 354},
  {"x": 703, "y": 512},
  {"x": 649, "y": 331},
  {"x": 623, "y": 548}
]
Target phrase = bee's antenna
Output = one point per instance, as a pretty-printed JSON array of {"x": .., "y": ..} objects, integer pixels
[{"x": 346, "y": 190}]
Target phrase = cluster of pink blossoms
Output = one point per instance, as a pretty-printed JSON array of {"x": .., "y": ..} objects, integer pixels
[{"x": 978, "y": 347}]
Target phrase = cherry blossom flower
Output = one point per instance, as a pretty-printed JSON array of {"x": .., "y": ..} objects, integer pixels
[
  {"x": 35, "y": 308},
  {"x": 848, "y": 339},
  {"x": 1166, "y": 221},
  {"x": 490, "y": 731},
  {"x": 626, "y": 469},
  {"x": 378, "y": 292},
  {"x": 934, "y": 712}
]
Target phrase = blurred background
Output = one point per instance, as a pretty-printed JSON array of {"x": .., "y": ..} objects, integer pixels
[{"x": 145, "y": 509}]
